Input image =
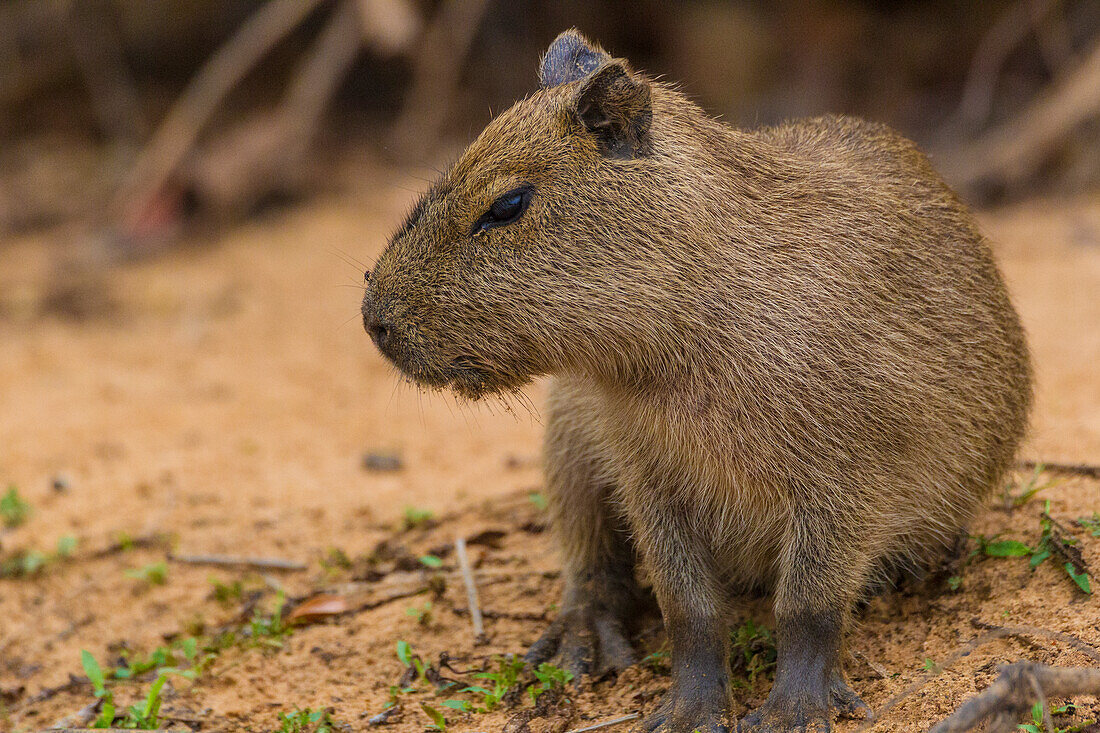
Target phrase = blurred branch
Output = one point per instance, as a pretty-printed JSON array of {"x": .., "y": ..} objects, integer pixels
[
  {"x": 436, "y": 73},
  {"x": 29, "y": 59},
  {"x": 1052, "y": 33},
  {"x": 316, "y": 80},
  {"x": 1013, "y": 150},
  {"x": 389, "y": 25},
  {"x": 1007, "y": 33},
  {"x": 265, "y": 154},
  {"x": 98, "y": 51},
  {"x": 183, "y": 123}
]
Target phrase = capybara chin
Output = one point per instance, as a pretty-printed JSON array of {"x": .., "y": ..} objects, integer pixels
[{"x": 780, "y": 358}]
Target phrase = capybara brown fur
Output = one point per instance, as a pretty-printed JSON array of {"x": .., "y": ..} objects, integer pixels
[{"x": 781, "y": 359}]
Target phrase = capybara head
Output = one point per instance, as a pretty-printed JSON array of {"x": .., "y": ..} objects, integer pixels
[{"x": 493, "y": 277}]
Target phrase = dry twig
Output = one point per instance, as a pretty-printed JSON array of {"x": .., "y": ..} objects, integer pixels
[
  {"x": 108, "y": 730},
  {"x": 994, "y": 633},
  {"x": 607, "y": 723},
  {"x": 81, "y": 717},
  {"x": 1014, "y": 691},
  {"x": 877, "y": 668},
  {"x": 471, "y": 589},
  {"x": 267, "y": 153},
  {"x": 510, "y": 615},
  {"x": 1075, "y": 469},
  {"x": 259, "y": 563}
]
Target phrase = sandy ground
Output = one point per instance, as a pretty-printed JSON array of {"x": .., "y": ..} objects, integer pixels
[{"x": 226, "y": 398}]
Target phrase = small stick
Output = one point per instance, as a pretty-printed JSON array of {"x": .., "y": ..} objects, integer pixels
[
  {"x": 877, "y": 668},
  {"x": 993, "y": 633},
  {"x": 196, "y": 105},
  {"x": 471, "y": 588},
  {"x": 261, "y": 563},
  {"x": 384, "y": 716},
  {"x": 1075, "y": 469},
  {"x": 512, "y": 615},
  {"x": 1079, "y": 644},
  {"x": 607, "y": 723},
  {"x": 80, "y": 718}
]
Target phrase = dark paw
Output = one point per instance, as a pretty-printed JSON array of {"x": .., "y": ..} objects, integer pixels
[
  {"x": 687, "y": 713},
  {"x": 585, "y": 640},
  {"x": 782, "y": 716},
  {"x": 769, "y": 718},
  {"x": 846, "y": 702}
]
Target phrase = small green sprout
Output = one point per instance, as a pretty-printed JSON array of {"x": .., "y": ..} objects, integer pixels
[
  {"x": 335, "y": 560},
  {"x": 1091, "y": 524},
  {"x": 1054, "y": 540},
  {"x": 13, "y": 509},
  {"x": 66, "y": 546},
  {"x": 991, "y": 547},
  {"x": 1027, "y": 489},
  {"x": 438, "y": 721},
  {"x": 301, "y": 721},
  {"x": 431, "y": 561},
  {"x": 95, "y": 675},
  {"x": 1037, "y": 724},
  {"x": 26, "y": 563},
  {"x": 657, "y": 662},
  {"x": 414, "y": 517},
  {"x": 144, "y": 714},
  {"x": 463, "y": 706},
  {"x": 752, "y": 650},
  {"x": 547, "y": 678},
  {"x": 155, "y": 573},
  {"x": 270, "y": 631},
  {"x": 227, "y": 593},
  {"x": 423, "y": 615},
  {"x": 503, "y": 681},
  {"x": 406, "y": 656}
]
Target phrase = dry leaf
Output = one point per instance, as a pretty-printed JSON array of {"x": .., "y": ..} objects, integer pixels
[{"x": 318, "y": 608}]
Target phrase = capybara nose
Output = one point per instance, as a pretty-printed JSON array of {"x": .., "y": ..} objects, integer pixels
[
  {"x": 375, "y": 324},
  {"x": 379, "y": 331}
]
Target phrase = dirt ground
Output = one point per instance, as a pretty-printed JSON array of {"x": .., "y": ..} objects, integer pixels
[{"x": 223, "y": 399}]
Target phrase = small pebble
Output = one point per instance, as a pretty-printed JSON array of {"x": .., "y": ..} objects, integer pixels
[
  {"x": 382, "y": 462},
  {"x": 61, "y": 483}
]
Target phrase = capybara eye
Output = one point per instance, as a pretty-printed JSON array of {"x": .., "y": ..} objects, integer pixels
[
  {"x": 504, "y": 210},
  {"x": 507, "y": 207}
]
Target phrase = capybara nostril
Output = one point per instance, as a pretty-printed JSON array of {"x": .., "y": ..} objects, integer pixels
[{"x": 379, "y": 332}]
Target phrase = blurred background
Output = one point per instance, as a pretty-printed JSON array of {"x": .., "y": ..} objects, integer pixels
[{"x": 141, "y": 121}]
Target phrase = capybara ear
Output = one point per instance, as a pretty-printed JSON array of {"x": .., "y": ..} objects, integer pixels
[
  {"x": 570, "y": 57},
  {"x": 617, "y": 108}
]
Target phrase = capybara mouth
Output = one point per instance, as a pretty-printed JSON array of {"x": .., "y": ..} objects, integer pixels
[
  {"x": 470, "y": 379},
  {"x": 464, "y": 376}
]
